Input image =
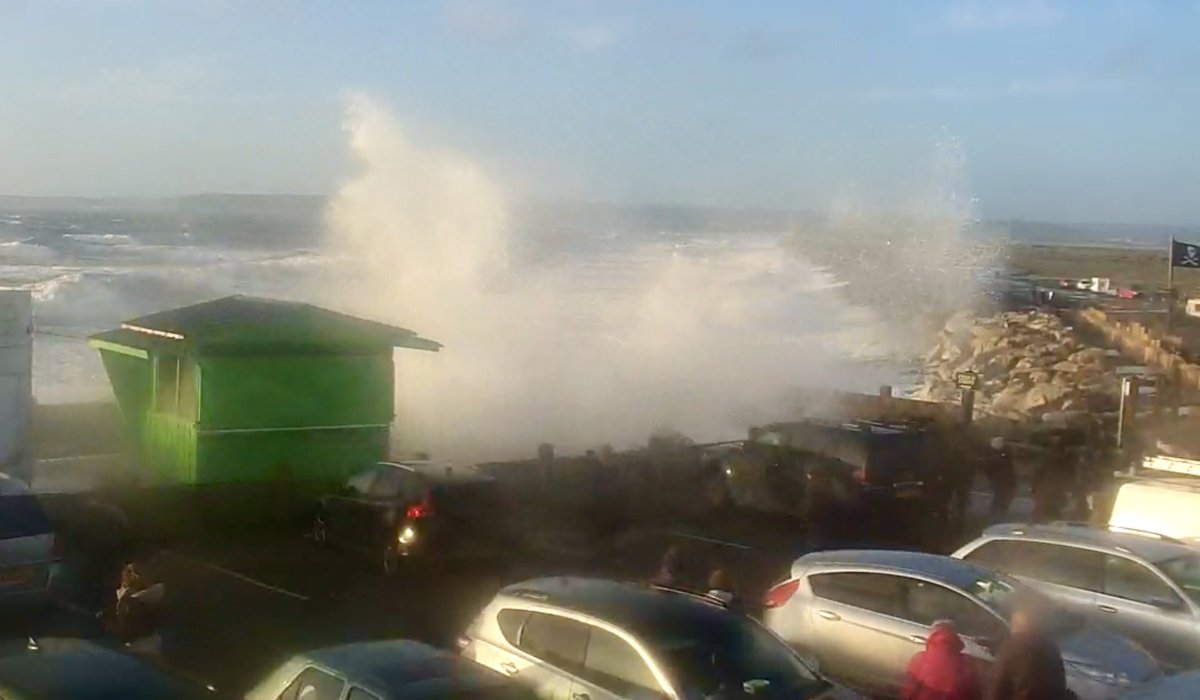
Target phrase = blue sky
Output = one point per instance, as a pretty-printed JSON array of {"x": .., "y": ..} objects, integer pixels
[{"x": 1084, "y": 111}]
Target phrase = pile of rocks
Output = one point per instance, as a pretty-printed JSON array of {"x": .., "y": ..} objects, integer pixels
[{"x": 1031, "y": 368}]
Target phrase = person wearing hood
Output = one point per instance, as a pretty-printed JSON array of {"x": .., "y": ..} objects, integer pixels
[{"x": 942, "y": 671}]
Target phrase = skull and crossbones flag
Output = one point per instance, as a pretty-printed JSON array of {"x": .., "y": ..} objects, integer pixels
[{"x": 1185, "y": 254}]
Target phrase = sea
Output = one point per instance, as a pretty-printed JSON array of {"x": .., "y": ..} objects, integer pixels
[{"x": 587, "y": 323}]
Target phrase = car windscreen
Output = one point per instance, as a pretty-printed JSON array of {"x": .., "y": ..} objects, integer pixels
[
  {"x": 729, "y": 656},
  {"x": 1184, "y": 572},
  {"x": 22, "y": 516}
]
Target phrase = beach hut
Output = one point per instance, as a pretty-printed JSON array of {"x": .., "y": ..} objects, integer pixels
[{"x": 245, "y": 389}]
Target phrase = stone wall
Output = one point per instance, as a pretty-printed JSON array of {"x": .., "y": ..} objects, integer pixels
[{"x": 1032, "y": 368}]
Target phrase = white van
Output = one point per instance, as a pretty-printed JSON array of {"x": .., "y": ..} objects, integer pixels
[{"x": 1163, "y": 499}]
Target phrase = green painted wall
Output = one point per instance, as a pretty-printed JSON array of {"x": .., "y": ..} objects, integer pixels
[
  {"x": 260, "y": 392},
  {"x": 310, "y": 456},
  {"x": 131, "y": 382},
  {"x": 219, "y": 419},
  {"x": 168, "y": 447}
]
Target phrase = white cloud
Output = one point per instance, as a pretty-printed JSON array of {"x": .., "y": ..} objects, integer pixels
[
  {"x": 1000, "y": 15},
  {"x": 172, "y": 80}
]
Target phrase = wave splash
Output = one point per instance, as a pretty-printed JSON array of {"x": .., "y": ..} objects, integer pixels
[{"x": 705, "y": 338}]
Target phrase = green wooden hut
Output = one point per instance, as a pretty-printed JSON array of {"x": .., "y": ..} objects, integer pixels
[{"x": 242, "y": 389}]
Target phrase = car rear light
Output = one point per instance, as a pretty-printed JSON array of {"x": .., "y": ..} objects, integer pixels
[
  {"x": 860, "y": 475},
  {"x": 780, "y": 594},
  {"x": 56, "y": 547},
  {"x": 424, "y": 509}
]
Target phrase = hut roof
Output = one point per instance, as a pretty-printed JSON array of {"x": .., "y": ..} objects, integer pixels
[{"x": 253, "y": 324}]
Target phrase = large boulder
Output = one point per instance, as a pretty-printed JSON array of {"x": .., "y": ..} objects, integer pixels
[
  {"x": 1089, "y": 356},
  {"x": 1044, "y": 397}
]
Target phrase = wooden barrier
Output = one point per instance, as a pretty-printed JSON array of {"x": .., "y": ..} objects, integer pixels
[
  {"x": 1143, "y": 345},
  {"x": 848, "y": 405}
]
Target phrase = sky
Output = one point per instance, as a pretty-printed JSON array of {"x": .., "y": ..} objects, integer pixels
[{"x": 1044, "y": 110}]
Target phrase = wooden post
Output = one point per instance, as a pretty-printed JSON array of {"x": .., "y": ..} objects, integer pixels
[
  {"x": 1127, "y": 414},
  {"x": 968, "y": 406}
]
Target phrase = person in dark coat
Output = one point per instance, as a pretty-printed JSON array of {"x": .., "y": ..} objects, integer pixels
[
  {"x": 1053, "y": 481},
  {"x": 670, "y": 571},
  {"x": 1002, "y": 474},
  {"x": 1028, "y": 665},
  {"x": 941, "y": 672}
]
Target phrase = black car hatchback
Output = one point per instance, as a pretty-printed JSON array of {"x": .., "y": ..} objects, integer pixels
[{"x": 392, "y": 511}]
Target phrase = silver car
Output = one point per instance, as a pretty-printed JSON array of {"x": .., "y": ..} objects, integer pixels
[
  {"x": 573, "y": 638},
  {"x": 1142, "y": 585},
  {"x": 862, "y": 614},
  {"x": 397, "y": 669},
  {"x": 27, "y": 548}
]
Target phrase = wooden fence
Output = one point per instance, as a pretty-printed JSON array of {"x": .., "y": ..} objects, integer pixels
[{"x": 1145, "y": 346}]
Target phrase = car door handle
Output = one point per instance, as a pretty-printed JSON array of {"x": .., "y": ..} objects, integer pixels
[
  {"x": 1107, "y": 609},
  {"x": 828, "y": 615},
  {"x": 580, "y": 696},
  {"x": 916, "y": 639},
  {"x": 509, "y": 667}
]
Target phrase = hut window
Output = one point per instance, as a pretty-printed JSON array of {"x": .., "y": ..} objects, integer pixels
[{"x": 166, "y": 384}]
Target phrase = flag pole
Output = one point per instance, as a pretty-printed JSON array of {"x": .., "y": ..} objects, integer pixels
[
  {"x": 1171, "y": 267},
  {"x": 1170, "y": 284}
]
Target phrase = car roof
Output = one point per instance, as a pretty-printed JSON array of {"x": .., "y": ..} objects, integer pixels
[
  {"x": 1148, "y": 546},
  {"x": 76, "y": 669},
  {"x": 440, "y": 472},
  {"x": 407, "y": 669},
  {"x": 627, "y": 605},
  {"x": 10, "y": 486},
  {"x": 953, "y": 571}
]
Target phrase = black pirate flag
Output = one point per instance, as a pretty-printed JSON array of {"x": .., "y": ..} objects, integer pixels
[{"x": 1185, "y": 254}]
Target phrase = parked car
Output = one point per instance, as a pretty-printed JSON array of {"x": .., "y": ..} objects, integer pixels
[
  {"x": 75, "y": 669},
  {"x": 390, "y": 511},
  {"x": 1182, "y": 686},
  {"x": 27, "y": 548},
  {"x": 856, "y": 467},
  {"x": 589, "y": 639},
  {"x": 864, "y": 613},
  {"x": 1142, "y": 585},
  {"x": 384, "y": 670}
]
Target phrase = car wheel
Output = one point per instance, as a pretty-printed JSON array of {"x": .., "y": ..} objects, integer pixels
[
  {"x": 390, "y": 562},
  {"x": 320, "y": 531}
]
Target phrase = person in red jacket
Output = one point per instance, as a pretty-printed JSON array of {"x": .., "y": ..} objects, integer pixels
[{"x": 941, "y": 672}]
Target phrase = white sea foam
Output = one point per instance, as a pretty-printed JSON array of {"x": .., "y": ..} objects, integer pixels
[{"x": 707, "y": 337}]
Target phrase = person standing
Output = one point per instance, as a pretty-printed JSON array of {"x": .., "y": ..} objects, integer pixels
[
  {"x": 1053, "y": 481},
  {"x": 1002, "y": 474},
  {"x": 1028, "y": 665},
  {"x": 941, "y": 672}
]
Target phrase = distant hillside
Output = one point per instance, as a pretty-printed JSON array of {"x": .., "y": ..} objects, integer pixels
[{"x": 300, "y": 216}]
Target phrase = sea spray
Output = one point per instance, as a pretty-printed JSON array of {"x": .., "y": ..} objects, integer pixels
[{"x": 708, "y": 339}]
